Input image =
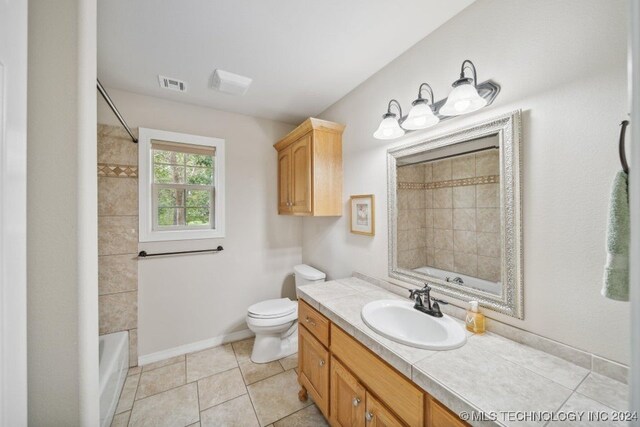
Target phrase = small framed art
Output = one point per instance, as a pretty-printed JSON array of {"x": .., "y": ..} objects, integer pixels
[{"x": 363, "y": 218}]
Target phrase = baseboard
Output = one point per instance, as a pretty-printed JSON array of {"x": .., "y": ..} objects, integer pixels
[{"x": 195, "y": 346}]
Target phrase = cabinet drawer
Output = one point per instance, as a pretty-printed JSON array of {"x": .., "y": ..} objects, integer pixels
[
  {"x": 398, "y": 393},
  {"x": 315, "y": 322},
  {"x": 440, "y": 416},
  {"x": 313, "y": 362}
]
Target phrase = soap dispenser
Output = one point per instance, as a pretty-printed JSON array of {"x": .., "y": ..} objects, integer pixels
[{"x": 474, "y": 319}]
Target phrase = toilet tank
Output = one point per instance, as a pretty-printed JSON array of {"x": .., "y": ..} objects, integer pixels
[{"x": 305, "y": 274}]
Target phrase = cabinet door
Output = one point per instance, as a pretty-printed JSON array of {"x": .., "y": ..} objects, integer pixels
[
  {"x": 347, "y": 398},
  {"x": 440, "y": 416},
  {"x": 301, "y": 175},
  {"x": 377, "y": 415},
  {"x": 313, "y": 361},
  {"x": 284, "y": 181}
]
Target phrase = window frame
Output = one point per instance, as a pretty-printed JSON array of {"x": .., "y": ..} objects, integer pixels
[{"x": 147, "y": 189}]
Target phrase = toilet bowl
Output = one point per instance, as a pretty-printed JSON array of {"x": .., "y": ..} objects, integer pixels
[{"x": 275, "y": 321}]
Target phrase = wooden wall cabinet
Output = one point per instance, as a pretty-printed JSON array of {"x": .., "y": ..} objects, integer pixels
[
  {"x": 353, "y": 387},
  {"x": 310, "y": 169}
]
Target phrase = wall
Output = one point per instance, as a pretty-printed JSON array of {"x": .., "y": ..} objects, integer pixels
[
  {"x": 563, "y": 64},
  {"x": 186, "y": 299},
  {"x": 118, "y": 234},
  {"x": 449, "y": 216},
  {"x": 62, "y": 288}
]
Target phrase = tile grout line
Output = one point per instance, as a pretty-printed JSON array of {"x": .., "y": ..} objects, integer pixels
[{"x": 246, "y": 387}]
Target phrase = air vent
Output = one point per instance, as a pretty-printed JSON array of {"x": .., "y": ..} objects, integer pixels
[
  {"x": 227, "y": 82},
  {"x": 172, "y": 84}
]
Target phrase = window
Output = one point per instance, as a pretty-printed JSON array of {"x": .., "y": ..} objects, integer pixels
[{"x": 181, "y": 181}]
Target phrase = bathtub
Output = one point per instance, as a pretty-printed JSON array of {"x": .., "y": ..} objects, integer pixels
[
  {"x": 469, "y": 282},
  {"x": 114, "y": 364}
]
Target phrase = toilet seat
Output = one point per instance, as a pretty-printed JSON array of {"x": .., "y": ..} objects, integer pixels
[{"x": 272, "y": 309}]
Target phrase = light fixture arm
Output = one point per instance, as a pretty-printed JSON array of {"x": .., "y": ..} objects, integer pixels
[
  {"x": 468, "y": 65},
  {"x": 425, "y": 86},
  {"x": 398, "y": 106}
]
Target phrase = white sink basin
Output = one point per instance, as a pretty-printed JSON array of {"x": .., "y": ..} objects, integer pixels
[{"x": 400, "y": 322}]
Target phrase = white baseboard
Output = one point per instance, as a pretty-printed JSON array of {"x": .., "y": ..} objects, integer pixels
[{"x": 195, "y": 346}]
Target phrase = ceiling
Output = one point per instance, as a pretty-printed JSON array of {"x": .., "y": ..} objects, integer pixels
[{"x": 302, "y": 55}]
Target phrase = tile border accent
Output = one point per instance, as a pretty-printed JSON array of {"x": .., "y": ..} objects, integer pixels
[
  {"x": 593, "y": 362},
  {"x": 489, "y": 179},
  {"x": 117, "y": 171},
  {"x": 194, "y": 347}
]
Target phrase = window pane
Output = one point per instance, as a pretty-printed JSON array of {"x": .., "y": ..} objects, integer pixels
[
  {"x": 197, "y": 216},
  {"x": 200, "y": 176},
  {"x": 172, "y": 157},
  {"x": 198, "y": 198},
  {"x": 170, "y": 216},
  {"x": 199, "y": 160},
  {"x": 167, "y": 174},
  {"x": 169, "y": 197}
]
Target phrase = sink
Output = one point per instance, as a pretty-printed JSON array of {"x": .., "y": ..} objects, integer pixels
[{"x": 400, "y": 322}]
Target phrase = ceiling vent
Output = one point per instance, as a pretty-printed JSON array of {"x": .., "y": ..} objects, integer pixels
[
  {"x": 172, "y": 84},
  {"x": 227, "y": 82}
]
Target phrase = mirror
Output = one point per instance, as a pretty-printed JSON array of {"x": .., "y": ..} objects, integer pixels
[{"x": 454, "y": 214}]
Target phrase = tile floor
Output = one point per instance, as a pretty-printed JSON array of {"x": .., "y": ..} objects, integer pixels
[{"x": 219, "y": 386}]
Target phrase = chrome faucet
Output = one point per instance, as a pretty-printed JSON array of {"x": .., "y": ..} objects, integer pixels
[
  {"x": 430, "y": 309},
  {"x": 457, "y": 280}
]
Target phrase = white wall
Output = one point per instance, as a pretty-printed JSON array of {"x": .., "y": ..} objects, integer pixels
[
  {"x": 62, "y": 249},
  {"x": 564, "y": 64},
  {"x": 185, "y": 299}
]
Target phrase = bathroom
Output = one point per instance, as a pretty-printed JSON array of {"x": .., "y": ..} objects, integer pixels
[{"x": 164, "y": 265}]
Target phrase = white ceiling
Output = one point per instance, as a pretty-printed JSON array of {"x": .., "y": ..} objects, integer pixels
[{"x": 302, "y": 55}]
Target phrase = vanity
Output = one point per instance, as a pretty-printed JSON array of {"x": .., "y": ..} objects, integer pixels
[{"x": 353, "y": 386}]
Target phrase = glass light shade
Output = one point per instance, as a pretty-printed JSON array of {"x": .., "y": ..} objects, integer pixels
[
  {"x": 389, "y": 128},
  {"x": 463, "y": 99},
  {"x": 420, "y": 117}
]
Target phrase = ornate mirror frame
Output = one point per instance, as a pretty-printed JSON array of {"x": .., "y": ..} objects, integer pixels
[{"x": 507, "y": 127}]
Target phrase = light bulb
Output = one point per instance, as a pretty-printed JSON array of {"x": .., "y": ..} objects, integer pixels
[
  {"x": 389, "y": 128},
  {"x": 463, "y": 99},
  {"x": 421, "y": 116}
]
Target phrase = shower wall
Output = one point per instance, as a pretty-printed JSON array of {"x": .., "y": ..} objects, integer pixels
[
  {"x": 449, "y": 215},
  {"x": 118, "y": 234}
]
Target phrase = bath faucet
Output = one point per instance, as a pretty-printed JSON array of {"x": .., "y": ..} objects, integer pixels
[
  {"x": 430, "y": 309},
  {"x": 457, "y": 280}
]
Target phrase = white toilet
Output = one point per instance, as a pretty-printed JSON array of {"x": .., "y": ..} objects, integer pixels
[{"x": 275, "y": 321}]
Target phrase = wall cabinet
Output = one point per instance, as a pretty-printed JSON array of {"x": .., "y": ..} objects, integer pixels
[
  {"x": 310, "y": 169},
  {"x": 353, "y": 387}
]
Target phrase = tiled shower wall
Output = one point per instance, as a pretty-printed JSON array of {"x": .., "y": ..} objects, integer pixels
[
  {"x": 118, "y": 234},
  {"x": 449, "y": 215}
]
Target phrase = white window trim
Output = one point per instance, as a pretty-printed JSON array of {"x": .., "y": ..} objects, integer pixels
[{"x": 145, "y": 192}]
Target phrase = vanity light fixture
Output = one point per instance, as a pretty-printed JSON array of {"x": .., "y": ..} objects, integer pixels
[
  {"x": 389, "y": 126},
  {"x": 421, "y": 115},
  {"x": 464, "y": 97}
]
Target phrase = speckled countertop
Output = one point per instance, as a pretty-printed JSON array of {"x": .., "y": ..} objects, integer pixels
[{"x": 489, "y": 374}]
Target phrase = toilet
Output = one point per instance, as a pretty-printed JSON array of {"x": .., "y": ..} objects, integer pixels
[{"x": 275, "y": 321}]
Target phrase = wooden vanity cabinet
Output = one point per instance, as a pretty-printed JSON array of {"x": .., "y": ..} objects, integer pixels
[
  {"x": 353, "y": 387},
  {"x": 313, "y": 360},
  {"x": 310, "y": 169}
]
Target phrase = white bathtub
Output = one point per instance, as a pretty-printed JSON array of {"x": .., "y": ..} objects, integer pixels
[
  {"x": 470, "y": 282},
  {"x": 114, "y": 364}
]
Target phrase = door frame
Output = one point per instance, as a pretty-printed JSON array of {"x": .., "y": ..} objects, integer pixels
[
  {"x": 13, "y": 212},
  {"x": 634, "y": 199}
]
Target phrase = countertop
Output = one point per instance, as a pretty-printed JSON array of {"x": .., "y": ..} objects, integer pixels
[{"x": 509, "y": 382}]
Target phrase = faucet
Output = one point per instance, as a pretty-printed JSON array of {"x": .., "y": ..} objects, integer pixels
[
  {"x": 430, "y": 309},
  {"x": 457, "y": 280}
]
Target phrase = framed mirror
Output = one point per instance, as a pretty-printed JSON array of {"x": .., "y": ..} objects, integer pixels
[{"x": 455, "y": 221}]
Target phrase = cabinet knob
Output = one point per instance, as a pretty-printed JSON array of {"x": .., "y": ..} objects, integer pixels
[
  {"x": 368, "y": 416},
  {"x": 322, "y": 362},
  {"x": 356, "y": 401},
  {"x": 308, "y": 320}
]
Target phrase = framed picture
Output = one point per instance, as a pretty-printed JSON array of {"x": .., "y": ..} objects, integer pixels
[{"x": 363, "y": 214}]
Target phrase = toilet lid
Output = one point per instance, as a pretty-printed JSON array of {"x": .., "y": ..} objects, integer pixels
[{"x": 272, "y": 308}]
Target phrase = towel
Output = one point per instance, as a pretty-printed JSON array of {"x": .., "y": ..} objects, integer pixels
[{"x": 616, "y": 271}]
